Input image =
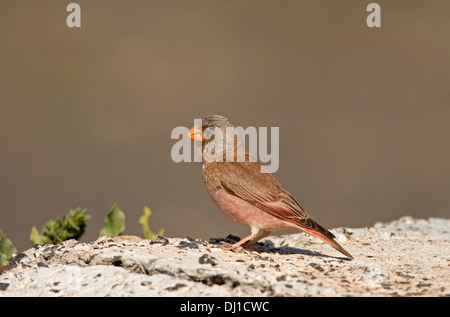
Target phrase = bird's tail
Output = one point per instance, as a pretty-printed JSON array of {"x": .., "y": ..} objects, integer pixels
[{"x": 325, "y": 235}]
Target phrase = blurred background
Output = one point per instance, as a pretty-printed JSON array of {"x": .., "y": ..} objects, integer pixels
[{"x": 86, "y": 113}]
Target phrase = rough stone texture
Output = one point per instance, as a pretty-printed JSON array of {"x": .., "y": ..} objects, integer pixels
[{"x": 407, "y": 257}]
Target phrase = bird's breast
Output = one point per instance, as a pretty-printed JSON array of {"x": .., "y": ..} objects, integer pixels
[{"x": 245, "y": 213}]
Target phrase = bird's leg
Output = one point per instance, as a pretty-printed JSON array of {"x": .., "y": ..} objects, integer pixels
[
  {"x": 239, "y": 243},
  {"x": 261, "y": 236},
  {"x": 250, "y": 236}
]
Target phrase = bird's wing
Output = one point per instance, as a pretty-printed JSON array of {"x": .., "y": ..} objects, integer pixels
[{"x": 245, "y": 180}]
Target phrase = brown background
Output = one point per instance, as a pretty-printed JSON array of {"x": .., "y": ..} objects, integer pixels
[{"x": 86, "y": 114}]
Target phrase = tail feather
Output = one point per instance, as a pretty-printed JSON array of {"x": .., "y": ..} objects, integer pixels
[{"x": 327, "y": 237}]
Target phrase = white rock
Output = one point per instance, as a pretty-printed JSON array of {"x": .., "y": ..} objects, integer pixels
[{"x": 406, "y": 257}]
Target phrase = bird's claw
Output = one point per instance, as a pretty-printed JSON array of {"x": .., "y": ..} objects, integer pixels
[{"x": 232, "y": 247}]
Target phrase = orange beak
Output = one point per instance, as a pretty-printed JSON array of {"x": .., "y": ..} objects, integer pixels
[{"x": 196, "y": 134}]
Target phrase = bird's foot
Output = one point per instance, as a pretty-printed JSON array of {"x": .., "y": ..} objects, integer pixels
[
  {"x": 245, "y": 248},
  {"x": 238, "y": 249},
  {"x": 230, "y": 247}
]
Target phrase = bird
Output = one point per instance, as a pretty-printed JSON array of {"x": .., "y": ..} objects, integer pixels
[{"x": 244, "y": 193}]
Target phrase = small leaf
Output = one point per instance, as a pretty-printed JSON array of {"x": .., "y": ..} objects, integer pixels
[
  {"x": 144, "y": 221},
  {"x": 7, "y": 249},
  {"x": 35, "y": 237},
  {"x": 71, "y": 226},
  {"x": 114, "y": 222}
]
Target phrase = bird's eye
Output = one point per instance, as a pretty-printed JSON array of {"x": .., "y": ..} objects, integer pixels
[{"x": 212, "y": 127}]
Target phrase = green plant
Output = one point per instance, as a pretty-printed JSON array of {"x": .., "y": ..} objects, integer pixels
[
  {"x": 70, "y": 226},
  {"x": 114, "y": 222},
  {"x": 7, "y": 249},
  {"x": 144, "y": 222}
]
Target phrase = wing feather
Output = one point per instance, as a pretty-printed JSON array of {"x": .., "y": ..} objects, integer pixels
[{"x": 245, "y": 180}]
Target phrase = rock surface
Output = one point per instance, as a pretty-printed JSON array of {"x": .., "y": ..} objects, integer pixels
[{"x": 406, "y": 257}]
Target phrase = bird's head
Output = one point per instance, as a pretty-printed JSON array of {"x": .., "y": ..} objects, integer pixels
[
  {"x": 207, "y": 131},
  {"x": 219, "y": 141}
]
